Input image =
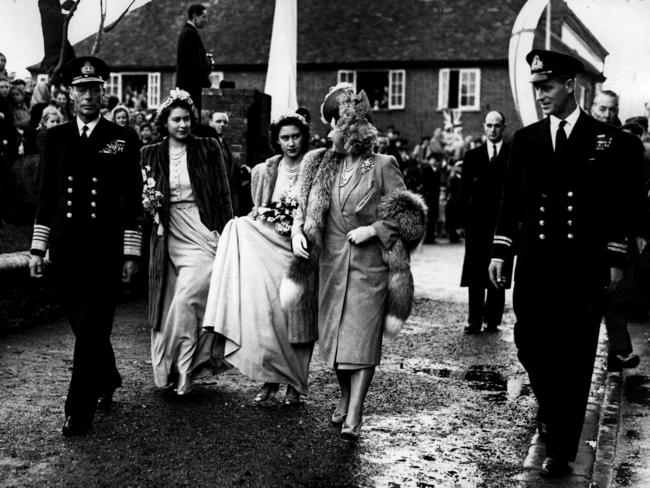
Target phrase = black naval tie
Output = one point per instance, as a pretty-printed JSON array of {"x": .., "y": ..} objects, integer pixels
[
  {"x": 84, "y": 133},
  {"x": 560, "y": 137},
  {"x": 494, "y": 153}
]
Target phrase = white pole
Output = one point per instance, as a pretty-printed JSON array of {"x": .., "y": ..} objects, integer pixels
[
  {"x": 547, "y": 42},
  {"x": 282, "y": 72}
]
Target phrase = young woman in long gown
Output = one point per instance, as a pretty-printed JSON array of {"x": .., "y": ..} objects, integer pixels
[
  {"x": 263, "y": 341},
  {"x": 194, "y": 205}
]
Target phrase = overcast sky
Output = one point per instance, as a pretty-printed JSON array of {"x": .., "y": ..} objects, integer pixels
[{"x": 622, "y": 26}]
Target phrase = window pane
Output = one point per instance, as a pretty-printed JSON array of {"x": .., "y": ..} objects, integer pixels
[
  {"x": 453, "y": 88},
  {"x": 397, "y": 89},
  {"x": 443, "y": 88}
]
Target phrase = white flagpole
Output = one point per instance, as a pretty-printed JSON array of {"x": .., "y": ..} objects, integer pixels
[{"x": 282, "y": 72}]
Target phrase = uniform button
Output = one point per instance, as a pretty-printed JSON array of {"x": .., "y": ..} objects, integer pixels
[
  {"x": 542, "y": 209},
  {"x": 569, "y": 236},
  {"x": 93, "y": 216},
  {"x": 70, "y": 178},
  {"x": 69, "y": 190},
  {"x": 94, "y": 180},
  {"x": 542, "y": 236},
  {"x": 569, "y": 222},
  {"x": 69, "y": 203},
  {"x": 93, "y": 204},
  {"x": 570, "y": 208},
  {"x": 569, "y": 194},
  {"x": 69, "y": 215},
  {"x": 93, "y": 192},
  {"x": 543, "y": 195},
  {"x": 541, "y": 222}
]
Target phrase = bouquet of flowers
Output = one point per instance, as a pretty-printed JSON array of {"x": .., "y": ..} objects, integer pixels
[
  {"x": 280, "y": 213},
  {"x": 152, "y": 199}
]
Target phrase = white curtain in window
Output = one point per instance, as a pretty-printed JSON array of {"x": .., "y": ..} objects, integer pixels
[
  {"x": 153, "y": 90},
  {"x": 282, "y": 72},
  {"x": 443, "y": 88},
  {"x": 396, "y": 88}
]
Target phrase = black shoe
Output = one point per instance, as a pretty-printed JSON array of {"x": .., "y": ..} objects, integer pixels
[
  {"x": 491, "y": 328},
  {"x": 104, "y": 402},
  {"x": 473, "y": 329},
  {"x": 618, "y": 362},
  {"x": 72, "y": 427},
  {"x": 554, "y": 468}
]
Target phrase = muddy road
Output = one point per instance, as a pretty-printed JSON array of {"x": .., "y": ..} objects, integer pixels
[{"x": 445, "y": 410}]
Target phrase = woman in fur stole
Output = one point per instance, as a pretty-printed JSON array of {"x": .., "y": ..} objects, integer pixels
[
  {"x": 186, "y": 192},
  {"x": 352, "y": 235},
  {"x": 262, "y": 340}
]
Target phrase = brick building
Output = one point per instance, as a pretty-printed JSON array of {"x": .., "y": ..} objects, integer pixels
[{"x": 414, "y": 58}]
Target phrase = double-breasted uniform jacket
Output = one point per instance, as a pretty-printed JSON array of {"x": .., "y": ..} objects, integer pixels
[
  {"x": 480, "y": 195},
  {"x": 90, "y": 197},
  {"x": 209, "y": 182},
  {"x": 568, "y": 211},
  {"x": 192, "y": 68}
]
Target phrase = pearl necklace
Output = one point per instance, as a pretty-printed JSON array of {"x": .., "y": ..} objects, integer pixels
[{"x": 178, "y": 155}]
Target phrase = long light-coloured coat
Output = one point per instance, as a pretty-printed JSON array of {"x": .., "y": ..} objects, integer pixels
[{"x": 353, "y": 279}]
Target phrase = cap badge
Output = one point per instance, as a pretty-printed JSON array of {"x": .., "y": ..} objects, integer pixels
[
  {"x": 87, "y": 69},
  {"x": 537, "y": 64}
]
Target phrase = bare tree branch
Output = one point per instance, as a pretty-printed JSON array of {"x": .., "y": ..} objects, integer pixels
[
  {"x": 103, "y": 6},
  {"x": 114, "y": 24}
]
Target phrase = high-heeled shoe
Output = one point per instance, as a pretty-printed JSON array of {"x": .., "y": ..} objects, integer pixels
[
  {"x": 292, "y": 397},
  {"x": 338, "y": 417},
  {"x": 265, "y": 392},
  {"x": 184, "y": 385},
  {"x": 350, "y": 434}
]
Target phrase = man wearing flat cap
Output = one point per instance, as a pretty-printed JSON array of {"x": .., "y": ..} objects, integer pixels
[
  {"x": 563, "y": 203},
  {"x": 88, "y": 211}
]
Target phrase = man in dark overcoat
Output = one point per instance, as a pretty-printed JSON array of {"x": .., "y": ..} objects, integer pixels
[
  {"x": 484, "y": 170},
  {"x": 571, "y": 233},
  {"x": 88, "y": 210},
  {"x": 192, "y": 66}
]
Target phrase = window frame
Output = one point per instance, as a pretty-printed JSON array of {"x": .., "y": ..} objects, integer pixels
[
  {"x": 443, "y": 89},
  {"x": 350, "y": 76}
]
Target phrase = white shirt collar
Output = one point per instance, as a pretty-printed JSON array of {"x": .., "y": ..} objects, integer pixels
[
  {"x": 490, "y": 149},
  {"x": 571, "y": 120},
  {"x": 91, "y": 125}
]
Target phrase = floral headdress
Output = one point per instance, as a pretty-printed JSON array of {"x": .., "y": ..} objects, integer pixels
[
  {"x": 175, "y": 94},
  {"x": 290, "y": 115}
]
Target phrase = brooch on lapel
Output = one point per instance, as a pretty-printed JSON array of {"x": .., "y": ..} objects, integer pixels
[
  {"x": 367, "y": 165},
  {"x": 116, "y": 146},
  {"x": 603, "y": 141}
]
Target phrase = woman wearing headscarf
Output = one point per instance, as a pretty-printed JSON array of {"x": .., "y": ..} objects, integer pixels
[
  {"x": 186, "y": 191},
  {"x": 354, "y": 230},
  {"x": 263, "y": 341}
]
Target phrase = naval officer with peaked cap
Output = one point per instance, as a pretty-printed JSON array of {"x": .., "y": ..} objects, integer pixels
[
  {"x": 88, "y": 212},
  {"x": 563, "y": 203}
]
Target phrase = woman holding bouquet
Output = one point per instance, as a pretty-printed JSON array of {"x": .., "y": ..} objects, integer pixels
[
  {"x": 354, "y": 230},
  {"x": 263, "y": 341},
  {"x": 186, "y": 191}
]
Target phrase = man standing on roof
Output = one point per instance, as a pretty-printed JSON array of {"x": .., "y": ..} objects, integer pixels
[{"x": 192, "y": 65}]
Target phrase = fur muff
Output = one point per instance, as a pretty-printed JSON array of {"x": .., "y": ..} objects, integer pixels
[{"x": 408, "y": 211}]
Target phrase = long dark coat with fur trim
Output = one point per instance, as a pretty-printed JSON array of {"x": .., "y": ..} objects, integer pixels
[
  {"x": 209, "y": 181},
  {"x": 358, "y": 285}
]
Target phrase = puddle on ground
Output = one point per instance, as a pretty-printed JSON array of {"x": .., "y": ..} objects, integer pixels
[
  {"x": 413, "y": 452},
  {"x": 637, "y": 389},
  {"x": 484, "y": 378}
]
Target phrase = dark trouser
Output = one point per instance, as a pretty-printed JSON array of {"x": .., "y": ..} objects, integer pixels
[
  {"x": 556, "y": 336},
  {"x": 619, "y": 305},
  {"x": 488, "y": 310},
  {"x": 88, "y": 293}
]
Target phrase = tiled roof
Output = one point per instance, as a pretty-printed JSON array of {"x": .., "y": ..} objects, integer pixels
[{"x": 332, "y": 31}]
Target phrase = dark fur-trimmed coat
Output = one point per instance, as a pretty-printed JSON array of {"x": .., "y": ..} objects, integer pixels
[
  {"x": 209, "y": 181},
  {"x": 374, "y": 276}
]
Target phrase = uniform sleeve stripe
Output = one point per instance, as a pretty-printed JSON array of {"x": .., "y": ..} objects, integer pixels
[
  {"x": 40, "y": 237},
  {"x": 132, "y": 243},
  {"x": 616, "y": 247},
  {"x": 506, "y": 241}
]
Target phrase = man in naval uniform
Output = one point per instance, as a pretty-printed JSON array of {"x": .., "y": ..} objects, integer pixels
[
  {"x": 87, "y": 215},
  {"x": 563, "y": 201}
]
